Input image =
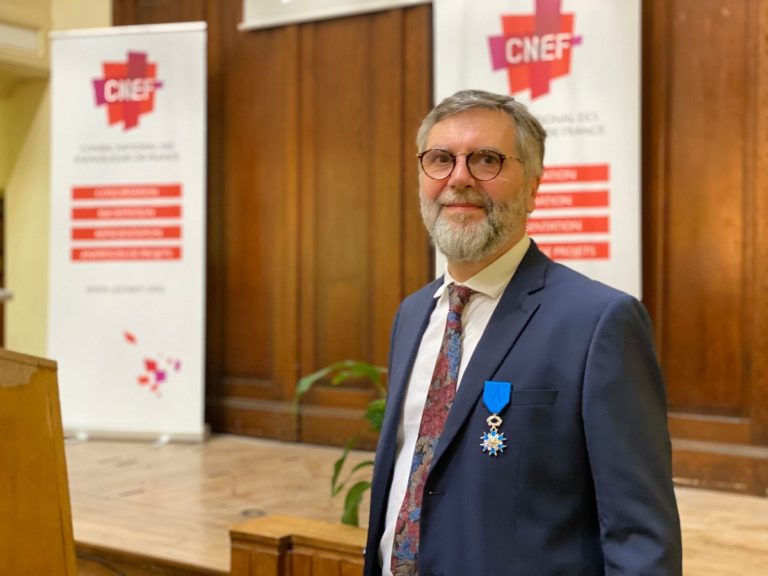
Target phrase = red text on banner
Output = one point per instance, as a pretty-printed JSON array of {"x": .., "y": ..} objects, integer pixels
[
  {"x": 127, "y": 233},
  {"x": 572, "y": 199},
  {"x": 126, "y": 212},
  {"x": 576, "y": 251},
  {"x": 576, "y": 173},
  {"x": 131, "y": 253},
  {"x": 564, "y": 225},
  {"x": 126, "y": 192}
]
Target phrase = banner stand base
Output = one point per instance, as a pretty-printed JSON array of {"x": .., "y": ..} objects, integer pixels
[{"x": 73, "y": 436}]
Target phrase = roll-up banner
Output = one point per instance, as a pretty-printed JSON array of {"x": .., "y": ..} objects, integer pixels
[
  {"x": 576, "y": 65},
  {"x": 127, "y": 259}
]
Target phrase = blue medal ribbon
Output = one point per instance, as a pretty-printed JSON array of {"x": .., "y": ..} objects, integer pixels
[{"x": 496, "y": 395}]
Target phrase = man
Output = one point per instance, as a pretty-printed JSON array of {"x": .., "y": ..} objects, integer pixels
[{"x": 525, "y": 432}]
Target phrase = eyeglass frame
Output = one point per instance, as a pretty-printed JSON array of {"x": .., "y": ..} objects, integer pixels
[{"x": 467, "y": 156}]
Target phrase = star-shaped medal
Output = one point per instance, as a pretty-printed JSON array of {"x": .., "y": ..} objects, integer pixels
[{"x": 493, "y": 442}]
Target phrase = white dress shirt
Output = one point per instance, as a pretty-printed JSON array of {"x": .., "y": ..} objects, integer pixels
[{"x": 489, "y": 284}]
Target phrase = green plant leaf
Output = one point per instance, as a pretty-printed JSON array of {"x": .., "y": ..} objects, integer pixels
[
  {"x": 337, "y": 487},
  {"x": 342, "y": 371},
  {"x": 374, "y": 413},
  {"x": 354, "y": 369},
  {"x": 361, "y": 465},
  {"x": 305, "y": 384},
  {"x": 351, "y": 515},
  {"x": 335, "y": 374}
]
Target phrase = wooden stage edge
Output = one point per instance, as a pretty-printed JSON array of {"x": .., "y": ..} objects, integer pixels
[{"x": 151, "y": 508}]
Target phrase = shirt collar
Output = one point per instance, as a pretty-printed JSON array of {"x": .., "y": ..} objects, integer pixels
[{"x": 492, "y": 279}]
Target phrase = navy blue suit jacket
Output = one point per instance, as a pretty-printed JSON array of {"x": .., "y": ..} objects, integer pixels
[{"x": 584, "y": 486}]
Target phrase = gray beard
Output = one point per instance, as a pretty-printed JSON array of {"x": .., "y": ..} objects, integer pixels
[{"x": 463, "y": 240}]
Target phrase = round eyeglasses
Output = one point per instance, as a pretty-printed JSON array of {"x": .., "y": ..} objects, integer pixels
[{"x": 482, "y": 164}]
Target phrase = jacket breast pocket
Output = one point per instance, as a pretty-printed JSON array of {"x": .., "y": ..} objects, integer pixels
[{"x": 533, "y": 397}]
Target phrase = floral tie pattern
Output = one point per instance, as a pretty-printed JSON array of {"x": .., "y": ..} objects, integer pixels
[{"x": 442, "y": 391}]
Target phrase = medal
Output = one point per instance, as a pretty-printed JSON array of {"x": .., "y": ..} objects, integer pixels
[{"x": 495, "y": 397}]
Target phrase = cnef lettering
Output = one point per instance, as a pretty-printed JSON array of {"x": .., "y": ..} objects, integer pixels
[
  {"x": 128, "y": 89},
  {"x": 545, "y": 48}
]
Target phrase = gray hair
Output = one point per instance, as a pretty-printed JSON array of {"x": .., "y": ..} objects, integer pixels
[{"x": 530, "y": 133}]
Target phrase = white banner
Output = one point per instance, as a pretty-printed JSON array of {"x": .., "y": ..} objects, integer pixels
[
  {"x": 268, "y": 13},
  {"x": 127, "y": 260},
  {"x": 576, "y": 65}
]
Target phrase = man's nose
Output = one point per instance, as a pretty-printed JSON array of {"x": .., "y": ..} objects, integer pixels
[{"x": 461, "y": 176}]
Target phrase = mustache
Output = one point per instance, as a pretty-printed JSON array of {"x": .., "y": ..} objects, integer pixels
[{"x": 453, "y": 196}]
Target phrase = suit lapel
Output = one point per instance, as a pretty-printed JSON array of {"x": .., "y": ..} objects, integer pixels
[{"x": 517, "y": 305}]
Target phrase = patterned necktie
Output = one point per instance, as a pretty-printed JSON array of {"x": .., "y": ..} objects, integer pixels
[{"x": 442, "y": 390}]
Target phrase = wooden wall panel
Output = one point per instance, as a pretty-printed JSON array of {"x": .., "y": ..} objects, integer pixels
[
  {"x": 758, "y": 256},
  {"x": 258, "y": 176},
  {"x": 356, "y": 204},
  {"x": 704, "y": 184},
  {"x": 157, "y": 11},
  {"x": 353, "y": 199},
  {"x": 313, "y": 225},
  {"x": 340, "y": 144},
  {"x": 417, "y": 101},
  {"x": 706, "y": 234}
]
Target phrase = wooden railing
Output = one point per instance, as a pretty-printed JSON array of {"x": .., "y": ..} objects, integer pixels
[{"x": 286, "y": 546}]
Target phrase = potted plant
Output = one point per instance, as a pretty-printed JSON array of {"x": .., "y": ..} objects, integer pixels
[{"x": 335, "y": 374}]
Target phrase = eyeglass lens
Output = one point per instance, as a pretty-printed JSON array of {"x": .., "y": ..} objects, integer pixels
[{"x": 482, "y": 164}]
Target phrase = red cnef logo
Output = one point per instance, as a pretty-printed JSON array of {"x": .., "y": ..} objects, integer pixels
[
  {"x": 535, "y": 49},
  {"x": 127, "y": 89}
]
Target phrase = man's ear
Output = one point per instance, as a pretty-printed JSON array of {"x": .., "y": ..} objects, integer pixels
[{"x": 533, "y": 189}]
